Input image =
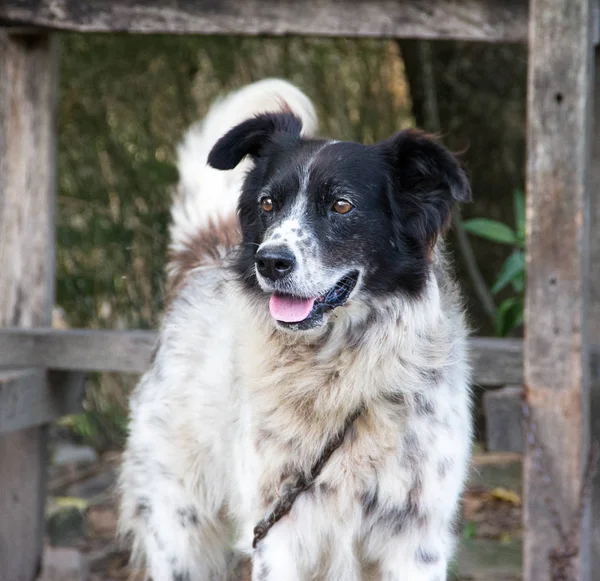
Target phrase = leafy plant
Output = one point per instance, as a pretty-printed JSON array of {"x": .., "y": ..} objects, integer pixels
[{"x": 509, "y": 314}]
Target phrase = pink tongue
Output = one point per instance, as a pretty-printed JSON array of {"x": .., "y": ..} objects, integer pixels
[{"x": 290, "y": 309}]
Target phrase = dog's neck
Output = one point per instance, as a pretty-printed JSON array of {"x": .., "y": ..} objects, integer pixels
[{"x": 348, "y": 362}]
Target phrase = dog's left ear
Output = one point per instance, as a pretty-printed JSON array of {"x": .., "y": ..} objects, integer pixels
[{"x": 428, "y": 182}]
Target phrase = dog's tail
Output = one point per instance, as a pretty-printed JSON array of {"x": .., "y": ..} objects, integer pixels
[{"x": 203, "y": 220}]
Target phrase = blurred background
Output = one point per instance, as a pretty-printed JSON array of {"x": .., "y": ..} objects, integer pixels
[{"x": 125, "y": 102}]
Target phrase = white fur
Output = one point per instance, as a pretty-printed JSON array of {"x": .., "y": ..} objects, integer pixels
[
  {"x": 205, "y": 193},
  {"x": 230, "y": 406}
]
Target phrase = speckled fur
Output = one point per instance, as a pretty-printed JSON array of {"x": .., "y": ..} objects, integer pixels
[{"x": 231, "y": 407}]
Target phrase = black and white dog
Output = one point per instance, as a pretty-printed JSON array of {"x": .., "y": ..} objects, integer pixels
[{"x": 314, "y": 341}]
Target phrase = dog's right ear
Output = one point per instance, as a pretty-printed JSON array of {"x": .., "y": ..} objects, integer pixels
[{"x": 251, "y": 137}]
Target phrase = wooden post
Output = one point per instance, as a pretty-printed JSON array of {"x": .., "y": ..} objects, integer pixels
[
  {"x": 595, "y": 303},
  {"x": 28, "y": 87},
  {"x": 556, "y": 362}
]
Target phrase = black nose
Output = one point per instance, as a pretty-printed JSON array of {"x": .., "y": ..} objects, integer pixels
[{"x": 275, "y": 262}]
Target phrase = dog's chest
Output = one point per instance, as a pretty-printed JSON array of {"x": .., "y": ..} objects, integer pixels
[
  {"x": 298, "y": 403},
  {"x": 366, "y": 449},
  {"x": 297, "y": 398}
]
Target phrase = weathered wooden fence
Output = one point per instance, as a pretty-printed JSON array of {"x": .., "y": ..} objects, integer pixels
[{"x": 42, "y": 369}]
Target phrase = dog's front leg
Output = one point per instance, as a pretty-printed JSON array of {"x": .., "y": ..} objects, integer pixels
[{"x": 276, "y": 557}]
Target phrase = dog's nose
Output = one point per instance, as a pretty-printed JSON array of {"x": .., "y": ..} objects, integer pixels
[{"x": 275, "y": 262}]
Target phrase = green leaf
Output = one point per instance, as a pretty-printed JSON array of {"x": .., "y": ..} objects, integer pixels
[
  {"x": 491, "y": 230},
  {"x": 519, "y": 203},
  {"x": 512, "y": 268},
  {"x": 470, "y": 530},
  {"x": 518, "y": 282},
  {"x": 509, "y": 315}
]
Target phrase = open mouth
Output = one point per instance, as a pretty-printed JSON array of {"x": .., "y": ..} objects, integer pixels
[{"x": 307, "y": 313}]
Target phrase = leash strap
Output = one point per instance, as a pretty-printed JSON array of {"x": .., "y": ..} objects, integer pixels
[{"x": 301, "y": 483}]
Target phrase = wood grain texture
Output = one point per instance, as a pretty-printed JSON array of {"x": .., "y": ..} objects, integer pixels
[
  {"x": 503, "y": 419},
  {"x": 485, "y": 20},
  {"x": 556, "y": 344},
  {"x": 125, "y": 351},
  {"x": 497, "y": 361},
  {"x": 28, "y": 82},
  {"x": 594, "y": 311},
  {"x": 27, "y": 399}
]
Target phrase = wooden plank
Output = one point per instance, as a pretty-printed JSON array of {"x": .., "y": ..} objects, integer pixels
[
  {"x": 556, "y": 343},
  {"x": 484, "y": 20},
  {"x": 495, "y": 361},
  {"x": 503, "y": 419},
  {"x": 27, "y": 400},
  {"x": 596, "y": 22},
  {"x": 28, "y": 89},
  {"x": 125, "y": 351},
  {"x": 594, "y": 317}
]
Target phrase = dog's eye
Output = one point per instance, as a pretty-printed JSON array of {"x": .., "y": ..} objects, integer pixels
[
  {"x": 342, "y": 206},
  {"x": 266, "y": 204}
]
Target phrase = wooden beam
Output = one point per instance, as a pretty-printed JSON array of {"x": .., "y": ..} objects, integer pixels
[
  {"x": 495, "y": 361},
  {"x": 28, "y": 89},
  {"x": 594, "y": 318},
  {"x": 124, "y": 351},
  {"x": 483, "y": 20},
  {"x": 556, "y": 343},
  {"x": 27, "y": 399}
]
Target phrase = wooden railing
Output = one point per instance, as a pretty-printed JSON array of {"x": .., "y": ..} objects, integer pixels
[{"x": 495, "y": 361}]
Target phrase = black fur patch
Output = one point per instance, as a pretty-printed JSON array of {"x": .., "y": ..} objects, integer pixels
[
  {"x": 413, "y": 449},
  {"x": 370, "y": 500},
  {"x": 263, "y": 572},
  {"x": 427, "y": 557},
  {"x": 262, "y": 568},
  {"x": 396, "y": 398},
  {"x": 326, "y": 489},
  {"x": 357, "y": 332},
  {"x": 431, "y": 376},
  {"x": 402, "y": 191},
  {"x": 396, "y": 519},
  {"x": 188, "y": 516},
  {"x": 143, "y": 509},
  {"x": 423, "y": 405},
  {"x": 352, "y": 434}
]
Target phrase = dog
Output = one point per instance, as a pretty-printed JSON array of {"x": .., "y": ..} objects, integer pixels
[{"x": 311, "y": 375}]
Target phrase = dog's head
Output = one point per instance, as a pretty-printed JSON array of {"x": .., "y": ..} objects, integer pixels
[{"x": 326, "y": 222}]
